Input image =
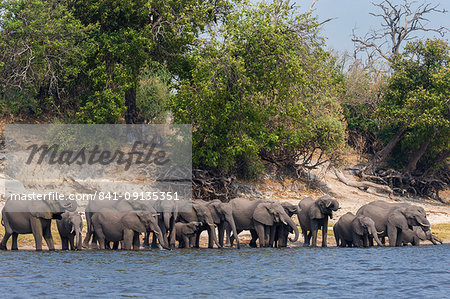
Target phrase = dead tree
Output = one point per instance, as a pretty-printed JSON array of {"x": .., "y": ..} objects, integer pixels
[{"x": 400, "y": 23}]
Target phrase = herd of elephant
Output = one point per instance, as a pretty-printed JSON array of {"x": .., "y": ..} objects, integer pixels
[{"x": 110, "y": 225}]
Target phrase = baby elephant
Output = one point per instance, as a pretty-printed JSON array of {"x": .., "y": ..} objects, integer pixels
[
  {"x": 69, "y": 227},
  {"x": 414, "y": 237},
  {"x": 117, "y": 226},
  {"x": 185, "y": 233},
  {"x": 351, "y": 230}
]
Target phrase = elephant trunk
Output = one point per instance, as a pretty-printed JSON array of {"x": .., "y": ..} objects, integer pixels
[
  {"x": 230, "y": 221},
  {"x": 291, "y": 223},
  {"x": 156, "y": 230},
  {"x": 373, "y": 232}
]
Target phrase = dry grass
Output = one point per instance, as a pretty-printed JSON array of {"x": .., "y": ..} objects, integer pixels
[{"x": 442, "y": 231}]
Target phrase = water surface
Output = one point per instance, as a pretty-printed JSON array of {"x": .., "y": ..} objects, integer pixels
[{"x": 223, "y": 273}]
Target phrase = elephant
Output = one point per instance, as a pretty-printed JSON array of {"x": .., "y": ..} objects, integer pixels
[
  {"x": 69, "y": 227},
  {"x": 351, "y": 230},
  {"x": 222, "y": 214},
  {"x": 118, "y": 226},
  {"x": 118, "y": 205},
  {"x": 313, "y": 215},
  {"x": 32, "y": 217},
  {"x": 393, "y": 218},
  {"x": 185, "y": 233},
  {"x": 259, "y": 216},
  {"x": 414, "y": 237},
  {"x": 167, "y": 215},
  {"x": 197, "y": 212},
  {"x": 280, "y": 232}
]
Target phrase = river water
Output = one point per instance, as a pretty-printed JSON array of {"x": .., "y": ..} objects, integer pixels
[{"x": 422, "y": 271}]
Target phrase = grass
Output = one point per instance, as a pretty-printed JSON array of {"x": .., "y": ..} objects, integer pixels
[{"x": 441, "y": 230}]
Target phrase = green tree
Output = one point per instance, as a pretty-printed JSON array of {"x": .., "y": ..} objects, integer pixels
[
  {"x": 262, "y": 88},
  {"x": 42, "y": 51},
  {"x": 416, "y": 102},
  {"x": 152, "y": 93},
  {"x": 130, "y": 34}
]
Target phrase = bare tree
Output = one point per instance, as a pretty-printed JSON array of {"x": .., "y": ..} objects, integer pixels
[{"x": 400, "y": 23}]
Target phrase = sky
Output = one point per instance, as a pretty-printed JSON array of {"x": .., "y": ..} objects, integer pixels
[{"x": 354, "y": 14}]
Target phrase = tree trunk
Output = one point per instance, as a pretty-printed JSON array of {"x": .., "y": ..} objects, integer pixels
[
  {"x": 130, "y": 103},
  {"x": 385, "y": 152},
  {"x": 412, "y": 165}
]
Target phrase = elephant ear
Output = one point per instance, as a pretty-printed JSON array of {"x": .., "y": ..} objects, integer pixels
[
  {"x": 190, "y": 228},
  {"x": 40, "y": 209},
  {"x": 398, "y": 219},
  {"x": 137, "y": 223},
  {"x": 315, "y": 212},
  {"x": 216, "y": 212},
  {"x": 263, "y": 215},
  {"x": 43, "y": 215},
  {"x": 358, "y": 226}
]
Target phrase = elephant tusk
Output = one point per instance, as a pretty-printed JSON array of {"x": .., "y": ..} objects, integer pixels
[
  {"x": 422, "y": 224},
  {"x": 380, "y": 232}
]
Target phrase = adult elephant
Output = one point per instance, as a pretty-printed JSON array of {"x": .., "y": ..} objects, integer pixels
[
  {"x": 95, "y": 206},
  {"x": 32, "y": 217},
  {"x": 69, "y": 228},
  {"x": 118, "y": 226},
  {"x": 259, "y": 216},
  {"x": 193, "y": 211},
  {"x": 393, "y": 218},
  {"x": 222, "y": 214},
  {"x": 351, "y": 230},
  {"x": 313, "y": 215}
]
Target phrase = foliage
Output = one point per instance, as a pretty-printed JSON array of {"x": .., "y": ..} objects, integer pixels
[
  {"x": 130, "y": 34},
  {"x": 41, "y": 54},
  {"x": 262, "y": 87},
  {"x": 417, "y": 98},
  {"x": 153, "y": 92}
]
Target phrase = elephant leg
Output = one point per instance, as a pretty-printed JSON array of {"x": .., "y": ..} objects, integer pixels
[
  {"x": 136, "y": 243},
  {"x": 228, "y": 236},
  {"x": 147, "y": 239},
  {"x": 370, "y": 241},
  {"x": 95, "y": 241},
  {"x": 71, "y": 242},
  {"x": 14, "y": 241},
  {"x": 314, "y": 229},
  {"x": 210, "y": 238},
  {"x": 128, "y": 236},
  {"x": 5, "y": 240},
  {"x": 261, "y": 235},
  {"x": 64, "y": 243},
  {"x": 221, "y": 231},
  {"x": 273, "y": 231},
  {"x": 197, "y": 239},
  {"x": 47, "y": 232},
  {"x": 254, "y": 238},
  {"x": 101, "y": 239},
  {"x": 325, "y": 233},
  {"x": 306, "y": 237},
  {"x": 392, "y": 235},
  {"x": 154, "y": 241},
  {"x": 365, "y": 240},
  {"x": 36, "y": 228},
  {"x": 186, "y": 241}
]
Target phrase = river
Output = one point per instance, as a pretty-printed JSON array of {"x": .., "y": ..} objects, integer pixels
[{"x": 422, "y": 271}]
